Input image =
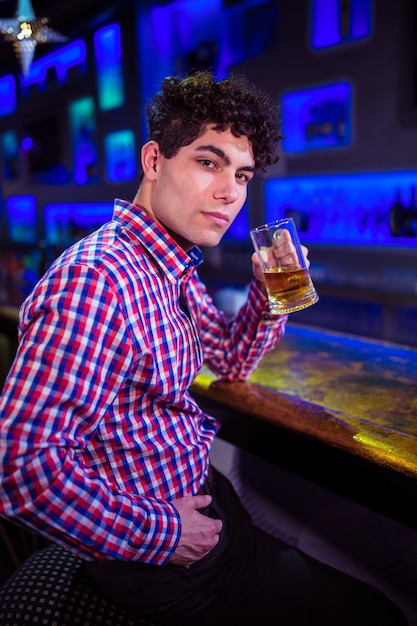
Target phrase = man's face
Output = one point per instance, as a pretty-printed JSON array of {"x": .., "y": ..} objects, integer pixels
[{"x": 197, "y": 194}]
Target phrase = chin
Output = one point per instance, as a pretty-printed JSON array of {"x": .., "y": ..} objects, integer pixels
[{"x": 211, "y": 242}]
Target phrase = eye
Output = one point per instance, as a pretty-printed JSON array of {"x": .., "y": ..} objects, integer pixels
[
  {"x": 245, "y": 178},
  {"x": 207, "y": 163}
]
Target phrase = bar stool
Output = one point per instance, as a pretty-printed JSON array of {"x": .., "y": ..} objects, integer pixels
[{"x": 51, "y": 587}]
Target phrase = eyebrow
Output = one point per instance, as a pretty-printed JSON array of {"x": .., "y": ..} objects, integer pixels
[{"x": 223, "y": 156}]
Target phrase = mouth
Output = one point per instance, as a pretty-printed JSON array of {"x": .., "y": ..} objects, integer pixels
[{"x": 218, "y": 218}]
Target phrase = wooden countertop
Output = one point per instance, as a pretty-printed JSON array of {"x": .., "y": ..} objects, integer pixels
[
  {"x": 347, "y": 392},
  {"x": 352, "y": 394}
]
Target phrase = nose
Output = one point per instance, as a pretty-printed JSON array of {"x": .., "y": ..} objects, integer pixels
[{"x": 227, "y": 189}]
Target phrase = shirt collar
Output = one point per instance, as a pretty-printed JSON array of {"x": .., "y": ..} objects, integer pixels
[{"x": 165, "y": 251}]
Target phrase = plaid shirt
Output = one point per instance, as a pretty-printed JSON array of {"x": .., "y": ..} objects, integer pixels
[{"x": 98, "y": 431}]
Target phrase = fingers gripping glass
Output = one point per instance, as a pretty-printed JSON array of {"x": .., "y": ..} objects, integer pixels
[{"x": 287, "y": 279}]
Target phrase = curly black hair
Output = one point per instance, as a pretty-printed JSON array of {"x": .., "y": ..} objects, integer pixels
[{"x": 181, "y": 111}]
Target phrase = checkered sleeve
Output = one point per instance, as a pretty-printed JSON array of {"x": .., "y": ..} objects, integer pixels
[
  {"x": 234, "y": 348},
  {"x": 73, "y": 356}
]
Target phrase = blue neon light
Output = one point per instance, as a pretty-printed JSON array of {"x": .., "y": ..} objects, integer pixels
[
  {"x": 239, "y": 228},
  {"x": 182, "y": 27},
  {"x": 21, "y": 219},
  {"x": 120, "y": 155},
  {"x": 62, "y": 60},
  {"x": 10, "y": 155},
  {"x": 344, "y": 208},
  {"x": 27, "y": 143},
  {"x": 7, "y": 95},
  {"x": 330, "y": 26},
  {"x": 83, "y": 131},
  {"x": 66, "y": 223},
  {"x": 317, "y": 118},
  {"x": 108, "y": 54}
]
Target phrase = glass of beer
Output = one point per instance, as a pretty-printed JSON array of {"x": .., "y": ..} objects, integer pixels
[{"x": 288, "y": 281}]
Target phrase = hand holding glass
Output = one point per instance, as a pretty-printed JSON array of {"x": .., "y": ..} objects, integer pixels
[{"x": 288, "y": 281}]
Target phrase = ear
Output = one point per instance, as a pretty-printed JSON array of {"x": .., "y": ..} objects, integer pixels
[{"x": 150, "y": 155}]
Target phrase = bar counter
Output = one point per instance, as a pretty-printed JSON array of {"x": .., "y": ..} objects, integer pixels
[{"x": 336, "y": 408}]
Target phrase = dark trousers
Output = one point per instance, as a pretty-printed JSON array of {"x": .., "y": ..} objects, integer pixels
[{"x": 249, "y": 577}]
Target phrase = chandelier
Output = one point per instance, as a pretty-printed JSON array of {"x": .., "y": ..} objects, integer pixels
[{"x": 26, "y": 31}]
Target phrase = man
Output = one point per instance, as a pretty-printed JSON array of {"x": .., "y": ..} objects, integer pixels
[{"x": 103, "y": 449}]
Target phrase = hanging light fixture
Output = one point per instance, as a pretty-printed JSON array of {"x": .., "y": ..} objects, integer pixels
[{"x": 26, "y": 31}]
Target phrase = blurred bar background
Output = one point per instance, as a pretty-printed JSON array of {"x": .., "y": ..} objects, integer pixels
[{"x": 344, "y": 73}]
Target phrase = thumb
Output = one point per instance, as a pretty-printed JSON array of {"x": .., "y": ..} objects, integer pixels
[{"x": 201, "y": 502}]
